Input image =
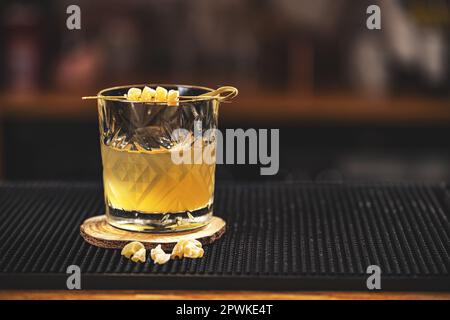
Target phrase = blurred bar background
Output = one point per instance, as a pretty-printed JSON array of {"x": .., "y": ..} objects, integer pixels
[{"x": 350, "y": 103}]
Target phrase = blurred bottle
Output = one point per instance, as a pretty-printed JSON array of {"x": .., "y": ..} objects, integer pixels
[
  {"x": 120, "y": 39},
  {"x": 22, "y": 25},
  {"x": 79, "y": 65}
]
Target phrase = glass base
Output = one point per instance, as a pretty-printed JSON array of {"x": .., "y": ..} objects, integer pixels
[{"x": 158, "y": 222}]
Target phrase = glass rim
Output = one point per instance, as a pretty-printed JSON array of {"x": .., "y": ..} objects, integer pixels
[{"x": 101, "y": 92}]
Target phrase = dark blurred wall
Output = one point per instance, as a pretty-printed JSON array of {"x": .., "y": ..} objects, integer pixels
[{"x": 351, "y": 103}]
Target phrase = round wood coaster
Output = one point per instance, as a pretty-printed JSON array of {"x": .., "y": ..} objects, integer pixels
[{"x": 98, "y": 232}]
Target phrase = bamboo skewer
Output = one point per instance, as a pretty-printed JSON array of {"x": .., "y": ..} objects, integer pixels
[{"x": 223, "y": 94}]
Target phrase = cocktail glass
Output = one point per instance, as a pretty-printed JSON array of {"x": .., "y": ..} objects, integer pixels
[{"x": 145, "y": 189}]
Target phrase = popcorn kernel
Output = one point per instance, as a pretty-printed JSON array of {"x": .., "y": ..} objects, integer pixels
[
  {"x": 148, "y": 94},
  {"x": 173, "y": 97},
  {"x": 187, "y": 248},
  {"x": 139, "y": 256},
  {"x": 159, "y": 256},
  {"x": 160, "y": 94},
  {"x": 177, "y": 251},
  {"x": 192, "y": 251},
  {"x": 134, "y": 94},
  {"x": 131, "y": 248}
]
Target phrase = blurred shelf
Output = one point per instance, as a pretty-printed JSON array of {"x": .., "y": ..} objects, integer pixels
[
  {"x": 252, "y": 106},
  {"x": 338, "y": 107},
  {"x": 51, "y": 104}
]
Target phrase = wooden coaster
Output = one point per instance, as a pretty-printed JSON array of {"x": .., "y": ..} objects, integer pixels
[{"x": 98, "y": 232}]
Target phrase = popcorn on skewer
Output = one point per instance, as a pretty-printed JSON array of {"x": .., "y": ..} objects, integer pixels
[
  {"x": 161, "y": 94},
  {"x": 173, "y": 98},
  {"x": 148, "y": 94},
  {"x": 134, "y": 94}
]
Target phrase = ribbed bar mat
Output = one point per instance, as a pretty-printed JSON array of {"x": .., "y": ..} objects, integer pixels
[{"x": 280, "y": 236}]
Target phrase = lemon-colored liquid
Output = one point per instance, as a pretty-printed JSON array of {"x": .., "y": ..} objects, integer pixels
[{"x": 150, "y": 182}]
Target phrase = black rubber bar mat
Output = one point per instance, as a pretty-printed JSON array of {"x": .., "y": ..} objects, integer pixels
[{"x": 280, "y": 236}]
